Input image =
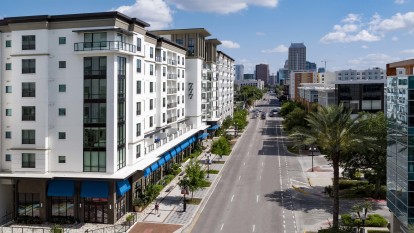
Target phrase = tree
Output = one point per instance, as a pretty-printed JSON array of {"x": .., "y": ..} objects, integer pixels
[
  {"x": 294, "y": 119},
  {"x": 227, "y": 122},
  {"x": 288, "y": 107},
  {"x": 335, "y": 133},
  {"x": 195, "y": 175},
  {"x": 221, "y": 147}
]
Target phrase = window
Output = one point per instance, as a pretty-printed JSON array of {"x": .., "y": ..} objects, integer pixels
[
  {"x": 139, "y": 44},
  {"x": 151, "y": 87},
  {"x": 164, "y": 71},
  {"x": 28, "y": 136},
  {"x": 182, "y": 61},
  {"x": 178, "y": 113},
  {"x": 182, "y": 73},
  {"x": 8, "y": 66},
  {"x": 8, "y": 157},
  {"x": 8, "y": 134},
  {"x": 163, "y": 117},
  {"x": 178, "y": 73},
  {"x": 182, "y": 86},
  {"x": 178, "y": 59},
  {"x": 138, "y": 153},
  {"x": 8, "y": 112},
  {"x": 182, "y": 99},
  {"x": 138, "y": 65},
  {"x": 164, "y": 55},
  {"x": 151, "y": 121},
  {"x": 178, "y": 99},
  {"x": 8, "y": 43},
  {"x": 62, "y": 111},
  {"x": 28, "y": 113},
  {"x": 163, "y": 102},
  {"x": 28, "y": 160},
  {"x": 29, "y": 89},
  {"x": 178, "y": 86},
  {"x": 151, "y": 104},
  {"x": 151, "y": 69},
  {"x": 62, "y": 88},
  {"x": 95, "y": 40},
  {"x": 138, "y": 87},
  {"x": 138, "y": 108},
  {"x": 163, "y": 87},
  {"x": 28, "y": 66},
  {"x": 29, "y": 42},
  {"x": 62, "y": 64},
  {"x": 151, "y": 52},
  {"x": 62, "y": 135},
  {"x": 62, "y": 40},
  {"x": 8, "y": 89},
  {"x": 182, "y": 112},
  {"x": 62, "y": 159},
  {"x": 179, "y": 41},
  {"x": 138, "y": 129}
]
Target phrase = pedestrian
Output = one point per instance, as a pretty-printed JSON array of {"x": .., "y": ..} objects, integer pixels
[{"x": 157, "y": 206}]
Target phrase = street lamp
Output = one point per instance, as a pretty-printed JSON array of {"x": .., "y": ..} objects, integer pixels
[
  {"x": 355, "y": 217},
  {"x": 184, "y": 190},
  {"x": 208, "y": 165},
  {"x": 312, "y": 149}
]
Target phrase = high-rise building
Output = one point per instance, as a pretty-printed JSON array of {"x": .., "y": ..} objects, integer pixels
[
  {"x": 248, "y": 76},
  {"x": 296, "y": 79},
  {"x": 262, "y": 73},
  {"x": 297, "y": 57},
  {"x": 311, "y": 66},
  {"x": 272, "y": 80},
  {"x": 96, "y": 109},
  {"x": 239, "y": 72},
  {"x": 283, "y": 75},
  {"x": 400, "y": 144}
]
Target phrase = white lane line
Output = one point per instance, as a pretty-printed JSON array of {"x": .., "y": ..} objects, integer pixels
[
  {"x": 244, "y": 164},
  {"x": 262, "y": 164},
  {"x": 260, "y": 178},
  {"x": 254, "y": 227},
  {"x": 239, "y": 177},
  {"x": 248, "y": 152},
  {"x": 257, "y": 198},
  {"x": 232, "y": 198},
  {"x": 222, "y": 225}
]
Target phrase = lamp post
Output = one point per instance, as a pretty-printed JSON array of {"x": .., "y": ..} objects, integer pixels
[
  {"x": 363, "y": 218},
  {"x": 312, "y": 149},
  {"x": 208, "y": 166},
  {"x": 184, "y": 190},
  {"x": 355, "y": 217}
]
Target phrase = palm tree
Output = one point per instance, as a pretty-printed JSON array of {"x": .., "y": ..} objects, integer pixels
[{"x": 335, "y": 133}]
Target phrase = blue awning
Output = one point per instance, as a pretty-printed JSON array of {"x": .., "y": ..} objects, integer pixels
[
  {"x": 178, "y": 149},
  {"x": 173, "y": 153},
  {"x": 96, "y": 189},
  {"x": 214, "y": 127},
  {"x": 61, "y": 188},
  {"x": 161, "y": 161},
  {"x": 147, "y": 171},
  {"x": 185, "y": 145},
  {"x": 122, "y": 187},
  {"x": 193, "y": 139},
  {"x": 203, "y": 136},
  {"x": 167, "y": 156},
  {"x": 154, "y": 167}
]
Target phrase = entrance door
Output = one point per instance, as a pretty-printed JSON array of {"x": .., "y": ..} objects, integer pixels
[{"x": 96, "y": 212}]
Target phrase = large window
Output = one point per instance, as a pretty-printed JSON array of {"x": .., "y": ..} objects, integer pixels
[
  {"x": 138, "y": 87},
  {"x": 151, "y": 121},
  {"x": 29, "y": 42},
  {"x": 28, "y": 136},
  {"x": 151, "y": 52},
  {"x": 138, "y": 65},
  {"x": 29, "y": 204},
  {"x": 138, "y": 108},
  {"x": 95, "y": 40},
  {"x": 29, "y": 89},
  {"x": 63, "y": 207},
  {"x": 94, "y": 161},
  {"x": 151, "y": 104},
  {"x": 28, "y": 66},
  {"x": 138, "y": 129},
  {"x": 28, "y": 113},
  {"x": 138, "y": 44},
  {"x": 151, "y": 69},
  {"x": 151, "y": 87},
  {"x": 138, "y": 153},
  {"x": 28, "y": 160}
]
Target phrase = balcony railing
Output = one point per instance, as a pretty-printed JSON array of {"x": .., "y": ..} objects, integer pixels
[
  {"x": 172, "y": 62},
  {"x": 172, "y": 105},
  {"x": 172, "y": 91},
  {"x": 171, "y": 119},
  {"x": 157, "y": 59},
  {"x": 172, "y": 76},
  {"x": 105, "y": 45}
]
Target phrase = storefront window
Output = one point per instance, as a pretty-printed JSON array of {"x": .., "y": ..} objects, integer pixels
[
  {"x": 120, "y": 206},
  {"x": 29, "y": 204},
  {"x": 96, "y": 210},
  {"x": 62, "y": 206}
]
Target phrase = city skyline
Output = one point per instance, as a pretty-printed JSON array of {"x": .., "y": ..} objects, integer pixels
[{"x": 347, "y": 35}]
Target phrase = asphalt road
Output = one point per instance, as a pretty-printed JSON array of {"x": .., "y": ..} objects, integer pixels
[{"x": 254, "y": 192}]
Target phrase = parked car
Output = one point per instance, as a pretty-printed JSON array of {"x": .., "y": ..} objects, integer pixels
[{"x": 263, "y": 115}]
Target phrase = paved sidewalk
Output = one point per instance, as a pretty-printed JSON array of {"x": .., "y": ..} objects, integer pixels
[{"x": 170, "y": 216}]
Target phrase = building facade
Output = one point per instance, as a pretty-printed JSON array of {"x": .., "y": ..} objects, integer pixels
[
  {"x": 94, "y": 109},
  {"x": 250, "y": 82},
  {"x": 239, "y": 72},
  {"x": 368, "y": 74},
  {"x": 262, "y": 73},
  {"x": 248, "y": 76},
  {"x": 297, "y": 57},
  {"x": 296, "y": 79},
  {"x": 400, "y": 153}
]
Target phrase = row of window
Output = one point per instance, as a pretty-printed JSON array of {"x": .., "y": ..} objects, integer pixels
[
  {"x": 28, "y": 89},
  {"x": 30, "y": 113},
  {"x": 152, "y": 87},
  {"x": 29, "y": 66},
  {"x": 29, "y": 159},
  {"x": 29, "y": 136},
  {"x": 29, "y": 42}
]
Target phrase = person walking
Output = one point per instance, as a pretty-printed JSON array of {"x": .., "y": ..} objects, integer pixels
[{"x": 157, "y": 207}]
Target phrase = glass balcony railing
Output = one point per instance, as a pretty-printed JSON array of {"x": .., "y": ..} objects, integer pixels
[
  {"x": 105, "y": 45},
  {"x": 171, "y": 119},
  {"x": 172, "y": 91},
  {"x": 172, "y": 105},
  {"x": 172, "y": 76}
]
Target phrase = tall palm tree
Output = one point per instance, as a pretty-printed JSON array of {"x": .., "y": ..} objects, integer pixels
[{"x": 335, "y": 133}]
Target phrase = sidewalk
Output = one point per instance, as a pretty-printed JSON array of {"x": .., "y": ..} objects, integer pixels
[{"x": 170, "y": 217}]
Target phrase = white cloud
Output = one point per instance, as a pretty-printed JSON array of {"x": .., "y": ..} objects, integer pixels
[
  {"x": 343, "y": 37},
  {"x": 155, "y": 12},
  {"x": 371, "y": 60},
  {"x": 230, "y": 44},
  {"x": 278, "y": 49},
  {"x": 408, "y": 51},
  {"x": 352, "y": 18},
  {"x": 397, "y": 21},
  {"x": 220, "y": 6},
  {"x": 260, "y": 34},
  {"x": 400, "y": 2},
  {"x": 394, "y": 38},
  {"x": 364, "y": 46}
]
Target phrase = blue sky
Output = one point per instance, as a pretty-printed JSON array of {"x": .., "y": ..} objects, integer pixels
[{"x": 348, "y": 34}]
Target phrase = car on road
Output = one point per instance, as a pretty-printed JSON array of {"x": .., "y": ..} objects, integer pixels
[{"x": 263, "y": 116}]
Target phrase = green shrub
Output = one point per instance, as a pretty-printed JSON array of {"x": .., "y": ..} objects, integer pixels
[
  {"x": 158, "y": 188},
  {"x": 205, "y": 184},
  {"x": 346, "y": 184},
  {"x": 213, "y": 171},
  {"x": 331, "y": 230},
  {"x": 376, "y": 220},
  {"x": 378, "y": 231}
]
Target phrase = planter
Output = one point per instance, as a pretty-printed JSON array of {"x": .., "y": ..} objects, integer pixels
[{"x": 138, "y": 208}]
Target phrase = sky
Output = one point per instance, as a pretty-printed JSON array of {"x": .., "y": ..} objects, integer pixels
[{"x": 343, "y": 34}]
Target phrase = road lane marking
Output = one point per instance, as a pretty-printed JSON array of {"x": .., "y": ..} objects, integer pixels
[
  {"x": 232, "y": 198},
  {"x": 257, "y": 198},
  {"x": 260, "y": 178},
  {"x": 222, "y": 225},
  {"x": 262, "y": 164},
  {"x": 239, "y": 177},
  {"x": 244, "y": 164},
  {"x": 254, "y": 227}
]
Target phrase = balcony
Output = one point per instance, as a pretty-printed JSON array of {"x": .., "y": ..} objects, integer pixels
[
  {"x": 157, "y": 58},
  {"x": 105, "y": 45},
  {"x": 172, "y": 77},
  {"x": 205, "y": 89},
  {"x": 171, "y": 119},
  {"x": 172, "y": 105},
  {"x": 171, "y": 91},
  {"x": 172, "y": 62}
]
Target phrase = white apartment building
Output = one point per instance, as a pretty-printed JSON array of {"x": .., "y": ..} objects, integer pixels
[
  {"x": 94, "y": 108},
  {"x": 250, "y": 82},
  {"x": 326, "y": 77},
  {"x": 225, "y": 86},
  {"x": 323, "y": 94},
  {"x": 368, "y": 74}
]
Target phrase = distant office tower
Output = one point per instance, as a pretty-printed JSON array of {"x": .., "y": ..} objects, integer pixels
[
  {"x": 262, "y": 73},
  {"x": 283, "y": 75},
  {"x": 311, "y": 66},
  {"x": 297, "y": 57},
  {"x": 239, "y": 72},
  {"x": 272, "y": 80},
  {"x": 248, "y": 76}
]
